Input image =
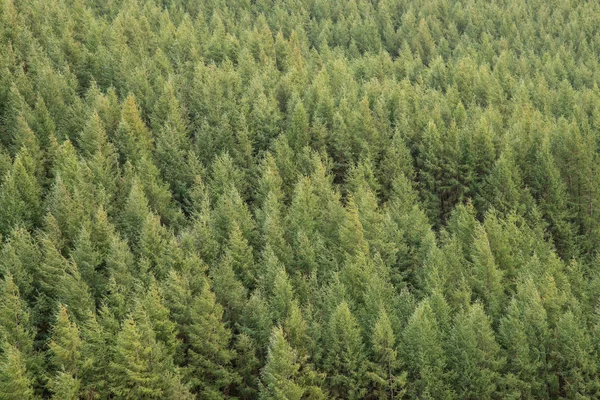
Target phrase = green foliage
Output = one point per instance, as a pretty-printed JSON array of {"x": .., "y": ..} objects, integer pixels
[
  {"x": 299, "y": 199},
  {"x": 14, "y": 380},
  {"x": 345, "y": 360},
  {"x": 65, "y": 349},
  {"x": 425, "y": 358},
  {"x": 281, "y": 371}
]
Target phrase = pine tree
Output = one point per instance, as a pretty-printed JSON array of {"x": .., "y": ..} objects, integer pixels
[
  {"x": 65, "y": 386},
  {"x": 158, "y": 247},
  {"x": 239, "y": 252},
  {"x": 257, "y": 320},
  {"x": 270, "y": 214},
  {"x": 133, "y": 375},
  {"x": 98, "y": 333},
  {"x": 247, "y": 367},
  {"x": 502, "y": 188},
  {"x": 397, "y": 162},
  {"x": 100, "y": 156},
  {"x": 225, "y": 175},
  {"x": 173, "y": 146},
  {"x": 24, "y": 138},
  {"x": 20, "y": 256},
  {"x": 352, "y": 238},
  {"x": 410, "y": 230},
  {"x": 134, "y": 214},
  {"x": 153, "y": 304},
  {"x": 65, "y": 211},
  {"x": 230, "y": 209},
  {"x": 200, "y": 231},
  {"x": 89, "y": 261}
]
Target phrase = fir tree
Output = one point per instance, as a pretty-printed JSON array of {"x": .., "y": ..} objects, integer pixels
[
  {"x": 345, "y": 360},
  {"x": 65, "y": 349},
  {"x": 388, "y": 380},
  {"x": 281, "y": 370},
  {"x": 14, "y": 380},
  {"x": 474, "y": 355},
  {"x": 209, "y": 358},
  {"x": 424, "y": 355}
]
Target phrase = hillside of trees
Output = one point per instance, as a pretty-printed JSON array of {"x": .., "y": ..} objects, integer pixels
[{"x": 299, "y": 199}]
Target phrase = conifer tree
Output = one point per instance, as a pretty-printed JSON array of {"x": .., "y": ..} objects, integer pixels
[
  {"x": 24, "y": 138},
  {"x": 14, "y": 380},
  {"x": 573, "y": 358},
  {"x": 424, "y": 355},
  {"x": 281, "y": 371},
  {"x": 20, "y": 257},
  {"x": 247, "y": 367},
  {"x": 240, "y": 254},
  {"x": 388, "y": 380},
  {"x": 209, "y": 366},
  {"x": 524, "y": 334},
  {"x": 20, "y": 195},
  {"x": 282, "y": 296},
  {"x": 152, "y": 302},
  {"x": 98, "y": 333},
  {"x": 345, "y": 359},
  {"x": 15, "y": 328},
  {"x": 65, "y": 349},
  {"x": 141, "y": 368},
  {"x": 201, "y": 233},
  {"x": 133, "y": 139},
  {"x": 229, "y": 291},
  {"x": 173, "y": 145},
  {"x": 134, "y": 214},
  {"x": 100, "y": 156},
  {"x": 473, "y": 355},
  {"x": 487, "y": 279}
]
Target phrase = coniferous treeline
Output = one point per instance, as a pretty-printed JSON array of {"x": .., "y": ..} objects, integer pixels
[{"x": 299, "y": 199}]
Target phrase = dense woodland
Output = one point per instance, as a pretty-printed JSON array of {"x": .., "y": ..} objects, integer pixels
[{"x": 299, "y": 199}]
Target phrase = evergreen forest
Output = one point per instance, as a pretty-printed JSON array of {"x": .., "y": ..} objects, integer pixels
[{"x": 299, "y": 199}]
